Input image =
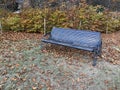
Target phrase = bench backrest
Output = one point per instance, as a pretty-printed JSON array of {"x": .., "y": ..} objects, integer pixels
[{"x": 76, "y": 37}]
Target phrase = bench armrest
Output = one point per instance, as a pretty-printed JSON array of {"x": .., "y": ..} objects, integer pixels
[{"x": 47, "y": 35}]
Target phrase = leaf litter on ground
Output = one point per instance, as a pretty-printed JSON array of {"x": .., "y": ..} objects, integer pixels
[{"x": 24, "y": 66}]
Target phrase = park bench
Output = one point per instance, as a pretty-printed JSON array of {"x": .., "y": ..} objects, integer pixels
[{"x": 79, "y": 39}]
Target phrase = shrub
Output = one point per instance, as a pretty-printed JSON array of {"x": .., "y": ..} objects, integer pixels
[
  {"x": 32, "y": 20},
  {"x": 83, "y": 17}
]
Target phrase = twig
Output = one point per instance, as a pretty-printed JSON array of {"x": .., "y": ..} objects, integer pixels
[
  {"x": 0, "y": 28},
  {"x": 44, "y": 26},
  {"x": 117, "y": 49},
  {"x": 107, "y": 28}
]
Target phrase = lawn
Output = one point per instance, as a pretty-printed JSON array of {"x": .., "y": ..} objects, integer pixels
[{"x": 25, "y": 66}]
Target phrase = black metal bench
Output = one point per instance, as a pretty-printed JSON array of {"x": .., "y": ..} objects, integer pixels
[{"x": 80, "y": 39}]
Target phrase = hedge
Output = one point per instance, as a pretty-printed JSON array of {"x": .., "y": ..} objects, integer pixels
[{"x": 86, "y": 17}]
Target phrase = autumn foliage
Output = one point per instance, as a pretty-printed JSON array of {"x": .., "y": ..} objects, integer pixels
[{"x": 82, "y": 17}]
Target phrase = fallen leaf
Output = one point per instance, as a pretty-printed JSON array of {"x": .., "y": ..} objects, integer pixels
[{"x": 34, "y": 88}]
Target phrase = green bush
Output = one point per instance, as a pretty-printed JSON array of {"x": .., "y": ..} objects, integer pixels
[
  {"x": 32, "y": 20},
  {"x": 83, "y": 17}
]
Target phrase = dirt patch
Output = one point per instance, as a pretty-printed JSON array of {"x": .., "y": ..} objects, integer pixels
[
  {"x": 16, "y": 36},
  {"x": 111, "y": 47}
]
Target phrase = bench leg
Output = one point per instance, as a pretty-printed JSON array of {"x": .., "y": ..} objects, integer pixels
[
  {"x": 100, "y": 50},
  {"x": 94, "y": 59},
  {"x": 41, "y": 45}
]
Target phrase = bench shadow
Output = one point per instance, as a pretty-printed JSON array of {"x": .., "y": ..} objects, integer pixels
[{"x": 68, "y": 53}]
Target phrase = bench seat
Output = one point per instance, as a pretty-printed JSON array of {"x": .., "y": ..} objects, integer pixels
[{"x": 66, "y": 44}]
